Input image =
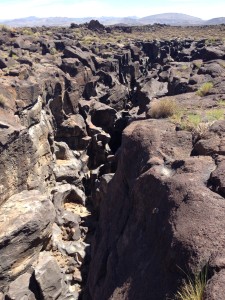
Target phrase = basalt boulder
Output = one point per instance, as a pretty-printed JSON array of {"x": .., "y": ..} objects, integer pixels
[
  {"x": 26, "y": 226},
  {"x": 141, "y": 252}
]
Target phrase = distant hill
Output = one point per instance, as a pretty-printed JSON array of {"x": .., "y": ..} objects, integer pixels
[
  {"x": 215, "y": 21},
  {"x": 34, "y": 21},
  {"x": 167, "y": 18},
  {"x": 171, "y": 19},
  {"x": 64, "y": 21}
]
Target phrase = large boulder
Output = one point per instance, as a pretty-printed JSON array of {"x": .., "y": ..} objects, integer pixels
[
  {"x": 145, "y": 241},
  {"x": 49, "y": 278},
  {"x": 95, "y": 25},
  {"x": 72, "y": 131},
  {"x": 25, "y": 226},
  {"x": 84, "y": 56}
]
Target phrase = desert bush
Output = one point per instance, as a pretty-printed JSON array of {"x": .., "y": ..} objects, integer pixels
[
  {"x": 193, "y": 289},
  {"x": 163, "y": 108},
  {"x": 211, "y": 41},
  {"x": 215, "y": 114},
  {"x": 201, "y": 130},
  {"x": 221, "y": 102},
  {"x": 5, "y": 28},
  {"x": 197, "y": 122},
  {"x": 48, "y": 32},
  {"x": 28, "y": 31},
  {"x": 53, "y": 51},
  {"x": 184, "y": 67},
  {"x": 193, "y": 120},
  {"x": 204, "y": 89},
  {"x": 198, "y": 63}
]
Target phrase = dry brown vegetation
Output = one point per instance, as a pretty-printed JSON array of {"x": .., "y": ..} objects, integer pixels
[
  {"x": 204, "y": 89},
  {"x": 163, "y": 108},
  {"x": 193, "y": 289}
]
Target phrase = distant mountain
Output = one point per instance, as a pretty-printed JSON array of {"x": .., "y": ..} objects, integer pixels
[
  {"x": 167, "y": 18},
  {"x": 34, "y": 21},
  {"x": 63, "y": 21},
  {"x": 171, "y": 19},
  {"x": 215, "y": 21},
  {"x": 130, "y": 21}
]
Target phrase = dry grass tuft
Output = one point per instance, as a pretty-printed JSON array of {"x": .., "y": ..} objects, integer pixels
[
  {"x": 193, "y": 289},
  {"x": 201, "y": 130},
  {"x": 204, "y": 89},
  {"x": 163, "y": 108}
]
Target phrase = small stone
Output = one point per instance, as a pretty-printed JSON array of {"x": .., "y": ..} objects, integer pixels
[{"x": 77, "y": 275}]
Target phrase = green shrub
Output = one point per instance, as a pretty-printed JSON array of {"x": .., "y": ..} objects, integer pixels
[
  {"x": 221, "y": 102},
  {"x": 204, "y": 89},
  {"x": 194, "y": 119},
  {"x": 215, "y": 114},
  {"x": 196, "y": 123},
  {"x": 163, "y": 108},
  {"x": 193, "y": 123}
]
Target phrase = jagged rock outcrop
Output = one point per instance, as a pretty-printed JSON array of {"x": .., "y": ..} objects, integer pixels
[
  {"x": 95, "y": 25},
  {"x": 157, "y": 189},
  {"x": 63, "y": 107}
]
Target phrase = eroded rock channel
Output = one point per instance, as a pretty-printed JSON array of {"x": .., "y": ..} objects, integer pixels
[{"x": 100, "y": 197}]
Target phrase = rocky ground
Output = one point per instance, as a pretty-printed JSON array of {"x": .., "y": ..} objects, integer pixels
[{"x": 104, "y": 194}]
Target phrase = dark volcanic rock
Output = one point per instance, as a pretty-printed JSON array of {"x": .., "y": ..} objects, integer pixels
[
  {"x": 72, "y": 131},
  {"x": 150, "y": 240},
  {"x": 21, "y": 153},
  {"x": 49, "y": 278},
  {"x": 26, "y": 223},
  {"x": 95, "y": 25},
  {"x": 19, "y": 288},
  {"x": 83, "y": 56},
  {"x": 213, "y": 141}
]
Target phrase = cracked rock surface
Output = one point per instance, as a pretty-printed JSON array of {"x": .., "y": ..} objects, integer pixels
[{"x": 99, "y": 199}]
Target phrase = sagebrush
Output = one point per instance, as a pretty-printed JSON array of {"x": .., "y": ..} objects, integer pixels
[{"x": 163, "y": 108}]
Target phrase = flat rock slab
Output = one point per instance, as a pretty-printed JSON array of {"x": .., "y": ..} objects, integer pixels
[{"x": 25, "y": 224}]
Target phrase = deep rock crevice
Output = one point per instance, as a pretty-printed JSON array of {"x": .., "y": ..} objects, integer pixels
[{"x": 98, "y": 200}]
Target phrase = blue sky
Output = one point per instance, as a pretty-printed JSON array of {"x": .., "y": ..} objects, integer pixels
[{"x": 205, "y": 9}]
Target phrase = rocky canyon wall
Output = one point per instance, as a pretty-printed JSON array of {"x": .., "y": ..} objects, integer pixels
[{"x": 98, "y": 199}]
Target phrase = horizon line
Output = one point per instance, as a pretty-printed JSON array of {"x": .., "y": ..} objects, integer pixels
[{"x": 105, "y": 16}]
